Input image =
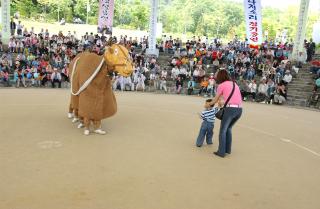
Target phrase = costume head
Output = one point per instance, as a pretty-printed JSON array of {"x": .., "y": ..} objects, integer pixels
[{"x": 118, "y": 59}]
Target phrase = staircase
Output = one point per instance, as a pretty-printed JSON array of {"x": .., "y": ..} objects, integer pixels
[
  {"x": 300, "y": 89},
  {"x": 164, "y": 61}
]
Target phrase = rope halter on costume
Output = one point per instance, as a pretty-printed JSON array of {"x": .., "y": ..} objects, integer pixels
[{"x": 87, "y": 82}]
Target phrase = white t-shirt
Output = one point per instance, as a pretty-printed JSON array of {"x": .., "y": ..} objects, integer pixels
[
  {"x": 196, "y": 73},
  {"x": 175, "y": 72},
  {"x": 253, "y": 87},
  {"x": 287, "y": 78},
  {"x": 263, "y": 88},
  {"x": 183, "y": 71},
  {"x": 164, "y": 74}
]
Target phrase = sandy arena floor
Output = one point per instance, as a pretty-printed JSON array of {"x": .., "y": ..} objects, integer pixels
[{"x": 148, "y": 159}]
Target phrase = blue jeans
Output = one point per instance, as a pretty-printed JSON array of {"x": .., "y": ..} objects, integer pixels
[
  {"x": 230, "y": 117},
  {"x": 206, "y": 130}
]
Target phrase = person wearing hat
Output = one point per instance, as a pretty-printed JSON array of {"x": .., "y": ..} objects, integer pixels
[
  {"x": 287, "y": 78},
  {"x": 55, "y": 77}
]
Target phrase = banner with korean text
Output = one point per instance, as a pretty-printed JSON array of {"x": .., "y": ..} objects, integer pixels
[
  {"x": 253, "y": 22},
  {"x": 106, "y": 10},
  {"x": 5, "y": 22}
]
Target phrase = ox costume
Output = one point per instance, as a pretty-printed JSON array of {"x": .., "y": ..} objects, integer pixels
[{"x": 92, "y": 98}]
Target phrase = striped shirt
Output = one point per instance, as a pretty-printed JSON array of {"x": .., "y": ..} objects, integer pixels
[{"x": 209, "y": 115}]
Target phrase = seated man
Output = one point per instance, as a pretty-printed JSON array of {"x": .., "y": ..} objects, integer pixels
[
  {"x": 55, "y": 78},
  {"x": 118, "y": 83},
  {"x": 183, "y": 73},
  {"x": 163, "y": 84},
  {"x": 287, "y": 78},
  {"x": 175, "y": 72},
  {"x": 140, "y": 82},
  {"x": 128, "y": 84},
  {"x": 19, "y": 77},
  {"x": 196, "y": 74}
]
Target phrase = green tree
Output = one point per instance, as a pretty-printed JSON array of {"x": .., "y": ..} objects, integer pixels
[{"x": 223, "y": 18}]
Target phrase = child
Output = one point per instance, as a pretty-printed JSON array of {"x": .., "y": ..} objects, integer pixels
[
  {"x": 208, "y": 117},
  {"x": 204, "y": 86}
]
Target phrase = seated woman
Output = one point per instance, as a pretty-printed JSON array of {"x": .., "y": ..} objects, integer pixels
[
  {"x": 179, "y": 85},
  {"x": 4, "y": 76},
  {"x": 262, "y": 95},
  {"x": 281, "y": 94}
]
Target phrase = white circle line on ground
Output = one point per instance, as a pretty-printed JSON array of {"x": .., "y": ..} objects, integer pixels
[
  {"x": 258, "y": 130},
  {"x": 282, "y": 139},
  {"x": 300, "y": 146}
]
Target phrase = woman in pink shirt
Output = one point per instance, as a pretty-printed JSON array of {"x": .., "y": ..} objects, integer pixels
[{"x": 232, "y": 111}]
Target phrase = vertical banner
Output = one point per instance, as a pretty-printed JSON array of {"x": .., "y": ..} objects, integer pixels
[
  {"x": 301, "y": 31},
  {"x": 106, "y": 10},
  {"x": 152, "y": 50},
  {"x": 5, "y": 21},
  {"x": 153, "y": 25},
  {"x": 253, "y": 22}
]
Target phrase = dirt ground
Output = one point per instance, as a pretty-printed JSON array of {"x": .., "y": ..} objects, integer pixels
[{"x": 148, "y": 159}]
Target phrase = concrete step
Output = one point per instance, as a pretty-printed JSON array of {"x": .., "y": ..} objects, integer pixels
[
  {"x": 300, "y": 89},
  {"x": 306, "y": 81},
  {"x": 298, "y": 96},
  {"x": 297, "y": 85},
  {"x": 297, "y": 102}
]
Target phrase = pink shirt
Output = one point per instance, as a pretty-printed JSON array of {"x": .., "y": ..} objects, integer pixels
[{"x": 225, "y": 88}]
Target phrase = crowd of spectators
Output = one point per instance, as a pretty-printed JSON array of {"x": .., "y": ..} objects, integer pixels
[
  {"x": 39, "y": 59},
  {"x": 262, "y": 73}
]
